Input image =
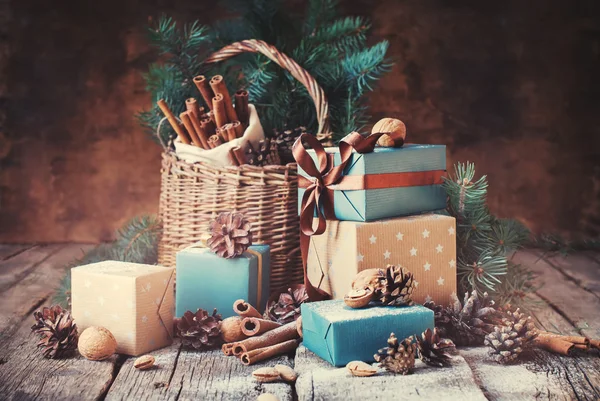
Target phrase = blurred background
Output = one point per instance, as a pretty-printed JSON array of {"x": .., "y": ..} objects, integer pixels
[{"x": 512, "y": 86}]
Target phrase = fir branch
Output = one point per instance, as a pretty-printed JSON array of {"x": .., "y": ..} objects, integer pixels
[
  {"x": 516, "y": 286},
  {"x": 364, "y": 67},
  {"x": 484, "y": 274},
  {"x": 318, "y": 13}
]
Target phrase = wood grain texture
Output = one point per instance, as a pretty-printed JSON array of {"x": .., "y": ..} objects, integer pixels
[
  {"x": 26, "y": 375},
  {"x": 319, "y": 380},
  {"x": 8, "y": 251},
  {"x": 34, "y": 289},
  {"x": 582, "y": 269},
  {"x": 578, "y": 306},
  {"x": 184, "y": 374}
]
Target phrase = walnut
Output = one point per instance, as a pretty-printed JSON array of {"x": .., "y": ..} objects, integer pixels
[
  {"x": 97, "y": 343},
  {"x": 231, "y": 329},
  {"x": 394, "y": 132}
]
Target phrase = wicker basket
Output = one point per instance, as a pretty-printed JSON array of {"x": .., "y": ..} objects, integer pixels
[{"x": 194, "y": 194}]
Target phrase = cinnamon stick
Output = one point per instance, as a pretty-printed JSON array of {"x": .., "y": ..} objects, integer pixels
[
  {"x": 200, "y": 131},
  {"x": 191, "y": 105},
  {"x": 241, "y": 106},
  {"x": 554, "y": 344},
  {"x": 275, "y": 336},
  {"x": 578, "y": 340},
  {"x": 205, "y": 89},
  {"x": 253, "y": 326},
  {"x": 238, "y": 128},
  {"x": 214, "y": 141},
  {"x": 220, "y": 114},
  {"x": 244, "y": 309},
  {"x": 183, "y": 137},
  {"x": 229, "y": 131},
  {"x": 260, "y": 354},
  {"x": 208, "y": 125},
  {"x": 227, "y": 349},
  {"x": 595, "y": 344},
  {"x": 187, "y": 123},
  {"x": 232, "y": 158},
  {"x": 239, "y": 155},
  {"x": 219, "y": 88}
]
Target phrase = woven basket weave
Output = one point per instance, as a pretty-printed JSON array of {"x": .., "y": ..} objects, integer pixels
[{"x": 194, "y": 194}]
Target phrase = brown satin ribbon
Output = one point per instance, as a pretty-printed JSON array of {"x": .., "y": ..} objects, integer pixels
[
  {"x": 381, "y": 181},
  {"x": 318, "y": 194}
]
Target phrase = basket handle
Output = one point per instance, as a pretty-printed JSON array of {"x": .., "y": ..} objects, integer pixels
[{"x": 258, "y": 46}]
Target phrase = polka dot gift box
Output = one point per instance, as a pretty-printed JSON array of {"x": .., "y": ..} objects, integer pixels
[
  {"x": 135, "y": 302},
  {"x": 424, "y": 244}
]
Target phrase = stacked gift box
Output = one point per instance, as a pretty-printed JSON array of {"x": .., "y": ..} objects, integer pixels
[{"x": 381, "y": 212}]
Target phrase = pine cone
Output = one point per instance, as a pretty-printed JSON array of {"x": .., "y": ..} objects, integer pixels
[
  {"x": 285, "y": 142},
  {"x": 397, "y": 288},
  {"x": 230, "y": 235},
  {"x": 285, "y": 307},
  {"x": 433, "y": 350},
  {"x": 200, "y": 330},
  {"x": 398, "y": 357},
  {"x": 507, "y": 341},
  {"x": 465, "y": 324},
  {"x": 57, "y": 331},
  {"x": 265, "y": 155}
]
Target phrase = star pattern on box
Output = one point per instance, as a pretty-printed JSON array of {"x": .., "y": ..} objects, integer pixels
[{"x": 424, "y": 244}]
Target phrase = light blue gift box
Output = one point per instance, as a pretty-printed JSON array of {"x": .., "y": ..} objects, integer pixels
[
  {"x": 373, "y": 204},
  {"x": 205, "y": 280},
  {"x": 340, "y": 334}
]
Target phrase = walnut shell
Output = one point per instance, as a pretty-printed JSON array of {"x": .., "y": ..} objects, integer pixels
[
  {"x": 394, "y": 130},
  {"x": 369, "y": 278},
  {"x": 287, "y": 373},
  {"x": 266, "y": 375},
  {"x": 359, "y": 298},
  {"x": 96, "y": 343},
  {"x": 231, "y": 329},
  {"x": 360, "y": 368}
]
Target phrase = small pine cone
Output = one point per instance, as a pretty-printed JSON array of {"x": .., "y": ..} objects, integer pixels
[
  {"x": 397, "y": 288},
  {"x": 200, "y": 330},
  {"x": 397, "y": 357},
  {"x": 433, "y": 350},
  {"x": 285, "y": 307},
  {"x": 285, "y": 142},
  {"x": 509, "y": 339},
  {"x": 265, "y": 155},
  {"x": 57, "y": 331},
  {"x": 467, "y": 323},
  {"x": 230, "y": 235}
]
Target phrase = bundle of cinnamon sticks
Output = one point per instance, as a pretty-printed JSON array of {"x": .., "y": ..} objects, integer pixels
[
  {"x": 260, "y": 338},
  {"x": 564, "y": 345},
  {"x": 219, "y": 123}
]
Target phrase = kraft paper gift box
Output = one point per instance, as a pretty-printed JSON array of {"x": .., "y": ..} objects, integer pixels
[
  {"x": 424, "y": 244},
  {"x": 208, "y": 281},
  {"x": 134, "y": 301},
  {"x": 413, "y": 173},
  {"x": 340, "y": 334}
]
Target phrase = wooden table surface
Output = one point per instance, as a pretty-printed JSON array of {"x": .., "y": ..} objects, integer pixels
[{"x": 568, "y": 302}]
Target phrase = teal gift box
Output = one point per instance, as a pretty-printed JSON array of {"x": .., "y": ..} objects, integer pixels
[
  {"x": 205, "y": 280},
  {"x": 340, "y": 334},
  {"x": 402, "y": 181}
]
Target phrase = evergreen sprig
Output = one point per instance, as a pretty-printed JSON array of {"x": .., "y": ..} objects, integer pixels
[
  {"x": 484, "y": 242},
  {"x": 332, "y": 48}
]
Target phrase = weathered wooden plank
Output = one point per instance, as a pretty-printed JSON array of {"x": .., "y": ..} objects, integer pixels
[
  {"x": 8, "y": 251},
  {"x": 36, "y": 287},
  {"x": 578, "y": 306},
  {"x": 538, "y": 374},
  {"x": 14, "y": 269},
  {"x": 26, "y": 375},
  {"x": 577, "y": 267},
  {"x": 184, "y": 374},
  {"x": 319, "y": 380}
]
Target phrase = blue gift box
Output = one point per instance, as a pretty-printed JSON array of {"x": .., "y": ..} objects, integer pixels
[
  {"x": 205, "y": 280},
  {"x": 399, "y": 199},
  {"x": 340, "y": 334}
]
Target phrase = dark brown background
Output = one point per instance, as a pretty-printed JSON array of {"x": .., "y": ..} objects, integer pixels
[{"x": 510, "y": 85}]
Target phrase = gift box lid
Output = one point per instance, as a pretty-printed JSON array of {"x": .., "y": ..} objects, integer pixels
[
  {"x": 410, "y": 157},
  {"x": 118, "y": 268},
  {"x": 327, "y": 332}
]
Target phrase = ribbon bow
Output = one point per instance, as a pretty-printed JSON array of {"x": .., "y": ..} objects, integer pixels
[{"x": 318, "y": 193}]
